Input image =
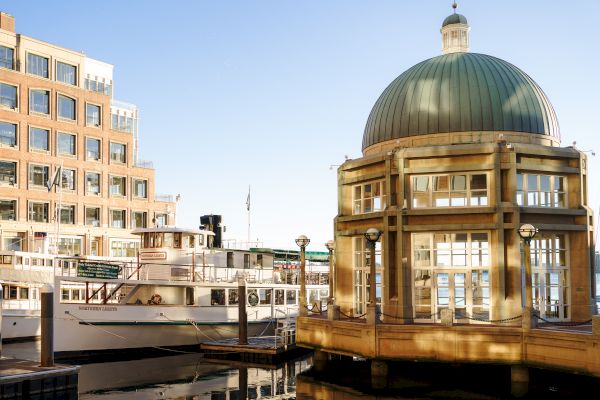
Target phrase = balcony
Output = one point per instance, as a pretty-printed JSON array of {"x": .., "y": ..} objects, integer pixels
[
  {"x": 166, "y": 198},
  {"x": 143, "y": 164}
]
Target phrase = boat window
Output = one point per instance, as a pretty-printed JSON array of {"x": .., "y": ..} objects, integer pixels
[
  {"x": 65, "y": 294},
  {"x": 259, "y": 260},
  {"x": 230, "y": 259},
  {"x": 217, "y": 297},
  {"x": 12, "y": 292},
  {"x": 290, "y": 297},
  {"x": 279, "y": 297},
  {"x": 265, "y": 296},
  {"x": 177, "y": 240},
  {"x": 23, "y": 293},
  {"x": 7, "y": 260},
  {"x": 200, "y": 240},
  {"x": 158, "y": 240},
  {"x": 233, "y": 297},
  {"x": 313, "y": 296},
  {"x": 192, "y": 242},
  {"x": 246, "y": 261},
  {"x": 168, "y": 240}
]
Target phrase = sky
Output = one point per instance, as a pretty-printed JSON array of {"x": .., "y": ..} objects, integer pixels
[{"x": 275, "y": 94}]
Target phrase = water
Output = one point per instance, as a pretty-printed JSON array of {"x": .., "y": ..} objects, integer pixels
[{"x": 192, "y": 376}]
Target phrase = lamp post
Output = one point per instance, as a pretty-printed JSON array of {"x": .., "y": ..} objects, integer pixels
[
  {"x": 372, "y": 235},
  {"x": 302, "y": 241},
  {"x": 527, "y": 232},
  {"x": 330, "y": 246}
]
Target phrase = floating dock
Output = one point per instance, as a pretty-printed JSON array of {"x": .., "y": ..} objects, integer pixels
[
  {"x": 25, "y": 379},
  {"x": 263, "y": 349}
]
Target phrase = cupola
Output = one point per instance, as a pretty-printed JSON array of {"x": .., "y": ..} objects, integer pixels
[{"x": 455, "y": 33}]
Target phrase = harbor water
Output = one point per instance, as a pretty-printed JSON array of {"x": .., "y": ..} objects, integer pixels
[{"x": 195, "y": 376}]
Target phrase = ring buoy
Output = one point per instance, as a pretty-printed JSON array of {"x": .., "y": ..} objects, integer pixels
[
  {"x": 156, "y": 299},
  {"x": 253, "y": 299}
]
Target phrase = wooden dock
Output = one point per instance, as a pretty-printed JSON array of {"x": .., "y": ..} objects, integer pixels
[
  {"x": 24, "y": 379},
  {"x": 264, "y": 349}
]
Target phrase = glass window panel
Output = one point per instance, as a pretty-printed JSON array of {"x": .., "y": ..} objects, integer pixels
[
  {"x": 39, "y": 101},
  {"x": 459, "y": 182},
  {"x": 7, "y": 57},
  {"x": 478, "y": 182},
  {"x": 117, "y": 152},
  {"x": 140, "y": 188},
  {"x": 67, "y": 214},
  {"x": 39, "y": 139},
  {"x": 68, "y": 179},
  {"x": 520, "y": 182},
  {"x": 66, "y": 73},
  {"x": 92, "y": 182},
  {"x": 92, "y": 216},
  {"x": 92, "y": 147},
  {"x": 38, "y": 175},
  {"x": 532, "y": 182},
  {"x": 458, "y": 199},
  {"x": 65, "y": 143},
  {"x": 66, "y": 107},
  {"x": 92, "y": 115},
  {"x": 37, "y": 65},
  {"x": 8, "y": 210},
  {"x": 8, "y": 134},
  {"x": 441, "y": 199},
  {"x": 38, "y": 212},
  {"x": 8, "y": 96},
  {"x": 440, "y": 183},
  {"x": 421, "y": 184},
  {"x": 545, "y": 183},
  {"x": 8, "y": 172}
]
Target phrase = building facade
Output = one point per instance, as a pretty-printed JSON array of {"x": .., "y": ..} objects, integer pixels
[
  {"x": 459, "y": 151},
  {"x": 60, "y": 128}
]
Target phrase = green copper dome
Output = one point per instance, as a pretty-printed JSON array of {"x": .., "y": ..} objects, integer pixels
[
  {"x": 460, "y": 92},
  {"x": 454, "y": 19}
]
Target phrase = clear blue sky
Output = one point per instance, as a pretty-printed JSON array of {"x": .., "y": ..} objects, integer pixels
[{"x": 271, "y": 93}]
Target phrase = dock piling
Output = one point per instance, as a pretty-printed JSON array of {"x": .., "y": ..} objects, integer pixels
[
  {"x": 47, "y": 325},
  {"x": 1, "y": 297},
  {"x": 242, "y": 315}
]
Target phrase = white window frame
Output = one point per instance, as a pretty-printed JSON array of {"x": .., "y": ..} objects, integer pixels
[
  {"x": 360, "y": 202},
  {"x": 468, "y": 193}
]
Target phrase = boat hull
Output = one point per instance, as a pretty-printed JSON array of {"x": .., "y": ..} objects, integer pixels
[
  {"x": 79, "y": 331},
  {"x": 20, "y": 325}
]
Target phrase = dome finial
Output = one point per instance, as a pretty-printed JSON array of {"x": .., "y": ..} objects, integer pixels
[{"x": 454, "y": 6}]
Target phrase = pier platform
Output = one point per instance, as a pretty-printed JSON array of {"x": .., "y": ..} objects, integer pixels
[
  {"x": 24, "y": 379},
  {"x": 264, "y": 349}
]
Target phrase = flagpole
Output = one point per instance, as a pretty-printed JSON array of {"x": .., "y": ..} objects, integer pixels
[
  {"x": 59, "y": 210},
  {"x": 248, "y": 207}
]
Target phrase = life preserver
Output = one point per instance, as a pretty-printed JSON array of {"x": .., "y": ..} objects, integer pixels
[
  {"x": 253, "y": 299},
  {"x": 156, "y": 299}
]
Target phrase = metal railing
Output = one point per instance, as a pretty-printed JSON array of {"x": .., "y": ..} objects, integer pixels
[
  {"x": 143, "y": 164},
  {"x": 167, "y": 198}
]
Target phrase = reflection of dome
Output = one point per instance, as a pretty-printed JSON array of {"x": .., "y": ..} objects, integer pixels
[
  {"x": 454, "y": 19},
  {"x": 460, "y": 92}
]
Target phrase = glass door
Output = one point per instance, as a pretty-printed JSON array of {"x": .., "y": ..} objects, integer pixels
[{"x": 451, "y": 293}]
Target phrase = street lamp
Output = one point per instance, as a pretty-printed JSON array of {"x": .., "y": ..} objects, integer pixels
[
  {"x": 302, "y": 241},
  {"x": 372, "y": 235},
  {"x": 527, "y": 232},
  {"x": 330, "y": 246}
]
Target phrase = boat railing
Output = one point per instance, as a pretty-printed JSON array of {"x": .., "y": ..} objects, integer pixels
[{"x": 21, "y": 304}]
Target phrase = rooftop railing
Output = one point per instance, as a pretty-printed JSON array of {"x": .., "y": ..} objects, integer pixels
[
  {"x": 167, "y": 198},
  {"x": 143, "y": 164}
]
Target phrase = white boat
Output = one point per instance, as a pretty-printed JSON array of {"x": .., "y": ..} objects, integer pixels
[
  {"x": 180, "y": 292},
  {"x": 22, "y": 274}
]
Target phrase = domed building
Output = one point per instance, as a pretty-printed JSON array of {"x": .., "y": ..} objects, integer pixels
[{"x": 459, "y": 152}]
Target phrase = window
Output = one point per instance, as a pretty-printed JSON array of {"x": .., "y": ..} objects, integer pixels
[
  {"x": 92, "y": 115},
  {"x": 92, "y": 149},
  {"x": 37, "y": 65},
  {"x": 68, "y": 179},
  {"x": 368, "y": 197},
  {"x": 138, "y": 219},
  {"x": 39, "y": 101},
  {"x": 455, "y": 190},
  {"x": 92, "y": 183},
  {"x": 69, "y": 246},
  {"x": 230, "y": 259},
  {"x": 8, "y": 134},
  {"x": 124, "y": 248},
  {"x": 161, "y": 219},
  {"x": 38, "y": 175},
  {"x": 140, "y": 190},
  {"x": 279, "y": 297},
  {"x": 39, "y": 139},
  {"x": 66, "y": 73},
  {"x": 8, "y": 96},
  {"x": 233, "y": 297},
  {"x": 362, "y": 273},
  {"x": 38, "y": 212},
  {"x": 217, "y": 297},
  {"x": 117, "y": 219},
  {"x": 123, "y": 123},
  {"x": 118, "y": 153},
  {"x": 117, "y": 185},
  {"x": 66, "y": 107},
  {"x": 67, "y": 214},
  {"x": 264, "y": 296},
  {"x": 92, "y": 216},
  {"x": 7, "y": 56},
  {"x": 8, "y": 210},
  {"x": 541, "y": 190},
  {"x": 98, "y": 86},
  {"x": 8, "y": 173},
  {"x": 290, "y": 297},
  {"x": 66, "y": 143}
]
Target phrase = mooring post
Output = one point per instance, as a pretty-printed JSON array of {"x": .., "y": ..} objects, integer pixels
[
  {"x": 243, "y": 383},
  {"x": 242, "y": 315},
  {"x": 1, "y": 297},
  {"x": 47, "y": 322}
]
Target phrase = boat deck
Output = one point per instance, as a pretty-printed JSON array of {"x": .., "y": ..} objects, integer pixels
[{"x": 271, "y": 345}]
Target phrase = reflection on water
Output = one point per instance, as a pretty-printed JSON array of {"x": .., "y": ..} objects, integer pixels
[{"x": 189, "y": 376}]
